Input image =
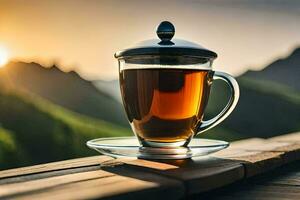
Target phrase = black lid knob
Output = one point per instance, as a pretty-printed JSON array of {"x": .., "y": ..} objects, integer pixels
[{"x": 165, "y": 31}]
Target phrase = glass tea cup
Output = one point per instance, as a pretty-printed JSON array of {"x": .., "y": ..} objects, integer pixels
[{"x": 165, "y": 86}]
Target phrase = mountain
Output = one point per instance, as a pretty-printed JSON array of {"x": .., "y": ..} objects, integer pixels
[
  {"x": 68, "y": 90},
  {"x": 34, "y": 130},
  {"x": 285, "y": 71}
]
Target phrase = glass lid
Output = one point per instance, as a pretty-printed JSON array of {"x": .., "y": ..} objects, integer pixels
[{"x": 166, "y": 46}]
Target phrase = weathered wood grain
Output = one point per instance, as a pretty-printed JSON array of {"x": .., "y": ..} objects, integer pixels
[
  {"x": 259, "y": 144},
  {"x": 101, "y": 185},
  {"x": 292, "y": 152},
  {"x": 36, "y": 176},
  {"x": 198, "y": 174},
  {"x": 281, "y": 184},
  {"x": 288, "y": 175},
  {"x": 291, "y": 179},
  {"x": 66, "y": 164},
  {"x": 261, "y": 155},
  {"x": 34, "y": 185},
  {"x": 262, "y": 192},
  {"x": 255, "y": 162},
  {"x": 103, "y": 177},
  {"x": 292, "y": 137}
]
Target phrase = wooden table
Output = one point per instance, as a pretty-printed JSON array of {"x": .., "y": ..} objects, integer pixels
[
  {"x": 279, "y": 184},
  {"x": 232, "y": 173}
]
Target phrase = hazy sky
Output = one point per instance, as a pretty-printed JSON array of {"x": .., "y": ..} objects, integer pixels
[{"x": 83, "y": 35}]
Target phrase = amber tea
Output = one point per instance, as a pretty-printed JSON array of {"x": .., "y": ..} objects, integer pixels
[{"x": 165, "y": 105}]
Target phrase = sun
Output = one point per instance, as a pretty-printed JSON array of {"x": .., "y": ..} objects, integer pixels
[{"x": 3, "y": 56}]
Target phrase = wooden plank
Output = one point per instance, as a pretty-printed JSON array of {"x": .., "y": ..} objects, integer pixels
[
  {"x": 259, "y": 162},
  {"x": 19, "y": 188},
  {"x": 260, "y": 155},
  {"x": 291, "y": 179},
  {"x": 242, "y": 159},
  {"x": 288, "y": 175},
  {"x": 66, "y": 164},
  {"x": 282, "y": 183},
  {"x": 199, "y": 174},
  {"x": 291, "y": 149},
  {"x": 103, "y": 177},
  {"x": 259, "y": 144},
  {"x": 30, "y": 177},
  {"x": 255, "y": 162},
  {"x": 292, "y": 137},
  {"x": 263, "y": 192},
  {"x": 124, "y": 183},
  {"x": 292, "y": 152}
]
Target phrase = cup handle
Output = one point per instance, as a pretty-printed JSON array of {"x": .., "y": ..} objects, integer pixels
[{"x": 235, "y": 94}]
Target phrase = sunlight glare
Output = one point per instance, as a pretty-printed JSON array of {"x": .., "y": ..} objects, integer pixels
[{"x": 3, "y": 56}]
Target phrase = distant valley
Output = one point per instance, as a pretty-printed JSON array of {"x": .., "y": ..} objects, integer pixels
[{"x": 65, "y": 89}]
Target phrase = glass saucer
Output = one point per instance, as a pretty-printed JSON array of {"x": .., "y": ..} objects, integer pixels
[{"x": 130, "y": 147}]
